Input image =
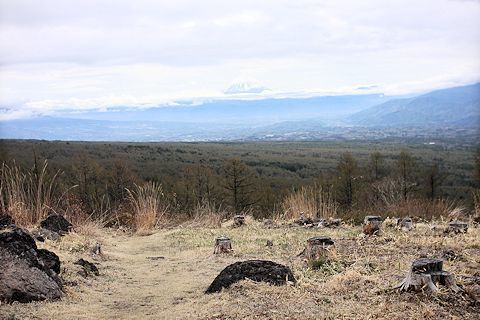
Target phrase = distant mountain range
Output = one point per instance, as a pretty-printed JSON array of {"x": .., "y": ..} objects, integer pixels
[
  {"x": 329, "y": 117},
  {"x": 250, "y": 112},
  {"x": 459, "y": 106}
]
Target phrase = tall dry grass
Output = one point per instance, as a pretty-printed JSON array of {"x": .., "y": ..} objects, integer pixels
[
  {"x": 207, "y": 214},
  {"x": 426, "y": 209},
  {"x": 476, "y": 202},
  {"x": 28, "y": 195},
  {"x": 310, "y": 201},
  {"x": 149, "y": 205}
]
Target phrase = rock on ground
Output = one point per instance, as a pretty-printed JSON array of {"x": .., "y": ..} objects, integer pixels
[
  {"x": 27, "y": 273},
  {"x": 88, "y": 268},
  {"x": 56, "y": 223},
  {"x": 41, "y": 234},
  {"x": 5, "y": 220},
  {"x": 256, "y": 270}
]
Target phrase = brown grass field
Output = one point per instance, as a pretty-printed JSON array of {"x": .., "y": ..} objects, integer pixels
[{"x": 356, "y": 286}]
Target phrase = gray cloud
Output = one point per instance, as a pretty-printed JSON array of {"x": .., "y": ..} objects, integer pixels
[{"x": 90, "y": 50}]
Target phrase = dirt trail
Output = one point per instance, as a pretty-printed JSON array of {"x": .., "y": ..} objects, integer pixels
[
  {"x": 141, "y": 278},
  {"x": 150, "y": 279}
]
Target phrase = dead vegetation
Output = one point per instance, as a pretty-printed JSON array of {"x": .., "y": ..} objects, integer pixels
[{"x": 360, "y": 275}]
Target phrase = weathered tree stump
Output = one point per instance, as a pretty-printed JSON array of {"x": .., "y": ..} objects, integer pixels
[
  {"x": 97, "y": 249},
  {"x": 319, "y": 249},
  {"x": 405, "y": 224},
  {"x": 372, "y": 225},
  {"x": 238, "y": 220},
  {"x": 223, "y": 244},
  {"x": 428, "y": 273},
  {"x": 457, "y": 226}
]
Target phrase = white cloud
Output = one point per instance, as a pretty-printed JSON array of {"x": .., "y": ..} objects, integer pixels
[{"x": 68, "y": 53}]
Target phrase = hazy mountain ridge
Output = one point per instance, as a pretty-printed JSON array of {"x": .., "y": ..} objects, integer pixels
[
  {"x": 315, "y": 118},
  {"x": 459, "y": 106},
  {"x": 259, "y": 111}
]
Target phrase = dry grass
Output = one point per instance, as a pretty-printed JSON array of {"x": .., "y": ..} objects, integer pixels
[
  {"x": 425, "y": 209},
  {"x": 476, "y": 202},
  {"x": 311, "y": 201},
  {"x": 28, "y": 195},
  {"x": 356, "y": 286},
  {"x": 149, "y": 205}
]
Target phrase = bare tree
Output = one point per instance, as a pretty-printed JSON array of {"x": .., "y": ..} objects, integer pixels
[
  {"x": 433, "y": 178},
  {"x": 406, "y": 167},
  {"x": 477, "y": 168},
  {"x": 347, "y": 170},
  {"x": 376, "y": 165},
  {"x": 239, "y": 184}
]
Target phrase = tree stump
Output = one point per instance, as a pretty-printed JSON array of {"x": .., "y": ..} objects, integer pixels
[
  {"x": 372, "y": 225},
  {"x": 97, "y": 249},
  {"x": 405, "y": 224},
  {"x": 238, "y": 220},
  {"x": 223, "y": 244},
  {"x": 456, "y": 226},
  {"x": 319, "y": 249},
  {"x": 428, "y": 273}
]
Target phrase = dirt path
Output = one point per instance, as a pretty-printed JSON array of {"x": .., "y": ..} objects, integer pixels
[
  {"x": 146, "y": 277},
  {"x": 141, "y": 278}
]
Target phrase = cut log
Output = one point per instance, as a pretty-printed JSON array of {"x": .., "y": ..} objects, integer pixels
[
  {"x": 319, "y": 250},
  {"x": 405, "y": 224},
  {"x": 372, "y": 225},
  {"x": 223, "y": 244},
  {"x": 238, "y": 220},
  {"x": 426, "y": 273},
  {"x": 456, "y": 226}
]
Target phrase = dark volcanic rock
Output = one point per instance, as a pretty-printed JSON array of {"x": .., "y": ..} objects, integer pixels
[
  {"x": 88, "y": 268},
  {"x": 5, "y": 220},
  {"x": 302, "y": 221},
  {"x": 27, "y": 273},
  {"x": 256, "y": 270},
  {"x": 18, "y": 242},
  {"x": 21, "y": 282},
  {"x": 56, "y": 223},
  {"x": 49, "y": 259},
  {"x": 41, "y": 234}
]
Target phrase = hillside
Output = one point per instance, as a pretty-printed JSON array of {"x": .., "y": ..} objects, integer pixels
[
  {"x": 163, "y": 275},
  {"x": 459, "y": 106}
]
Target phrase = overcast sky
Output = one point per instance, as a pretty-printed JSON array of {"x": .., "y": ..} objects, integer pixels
[{"x": 91, "y": 53}]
